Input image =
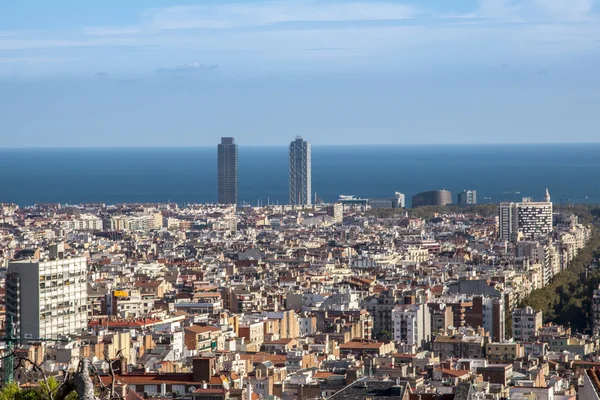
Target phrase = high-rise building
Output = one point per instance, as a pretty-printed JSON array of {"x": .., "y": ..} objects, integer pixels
[
  {"x": 432, "y": 198},
  {"x": 526, "y": 322},
  {"x": 400, "y": 201},
  {"x": 467, "y": 197},
  {"x": 411, "y": 324},
  {"x": 300, "y": 172},
  {"x": 227, "y": 152},
  {"x": 527, "y": 219},
  {"x": 47, "y": 298}
]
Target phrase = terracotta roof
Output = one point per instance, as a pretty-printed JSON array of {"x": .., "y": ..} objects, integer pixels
[
  {"x": 202, "y": 329},
  {"x": 323, "y": 374},
  {"x": 149, "y": 379},
  {"x": 361, "y": 345},
  {"x": 453, "y": 372}
]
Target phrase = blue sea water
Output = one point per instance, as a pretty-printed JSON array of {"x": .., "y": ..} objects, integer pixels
[{"x": 188, "y": 175}]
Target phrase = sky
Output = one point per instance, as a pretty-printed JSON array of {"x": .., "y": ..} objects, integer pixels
[{"x": 354, "y": 72}]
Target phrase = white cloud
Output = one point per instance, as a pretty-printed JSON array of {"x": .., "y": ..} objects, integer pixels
[
  {"x": 272, "y": 12},
  {"x": 536, "y": 10}
]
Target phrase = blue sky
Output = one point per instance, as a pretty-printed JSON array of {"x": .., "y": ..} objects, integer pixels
[{"x": 180, "y": 72}]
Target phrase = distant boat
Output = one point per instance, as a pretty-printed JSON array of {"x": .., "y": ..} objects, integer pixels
[{"x": 511, "y": 192}]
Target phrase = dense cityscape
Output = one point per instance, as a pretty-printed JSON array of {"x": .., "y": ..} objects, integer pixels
[{"x": 363, "y": 298}]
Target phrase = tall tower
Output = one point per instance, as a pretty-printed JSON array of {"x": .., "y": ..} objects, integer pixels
[
  {"x": 300, "y": 172},
  {"x": 547, "y": 196},
  {"x": 228, "y": 171}
]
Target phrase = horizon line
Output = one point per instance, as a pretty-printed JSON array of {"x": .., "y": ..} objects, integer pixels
[{"x": 285, "y": 145}]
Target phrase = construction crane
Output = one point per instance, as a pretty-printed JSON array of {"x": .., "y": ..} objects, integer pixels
[{"x": 10, "y": 339}]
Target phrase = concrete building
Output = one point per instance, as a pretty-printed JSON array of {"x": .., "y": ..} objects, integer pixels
[
  {"x": 135, "y": 223},
  {"x": 411, "y": 324},
  {"x": 336, "y": 211},
  {"x": 85, "y": 222},
  {"x": 300, "y": 172},
  {"x": 526, "y": 322},
  {"x": 489, "y": 313},
  {"x": 47, "y": 298},
  {"x": 398, "y": 201},
  {"x": 467, "y": 197},
  {"x": 227, "y": 154},
  {"x": 432, "y": 198},
  {"x": 525, "y": 220}
]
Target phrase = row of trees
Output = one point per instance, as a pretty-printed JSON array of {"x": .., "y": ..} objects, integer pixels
[{"x": 567, "y": 299}]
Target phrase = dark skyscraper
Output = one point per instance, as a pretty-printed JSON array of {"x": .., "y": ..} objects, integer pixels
[
  {"x": 228, "y": 171},
  {"x": 300, "y": 172}
]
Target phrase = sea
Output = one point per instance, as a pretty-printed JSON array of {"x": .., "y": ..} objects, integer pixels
[{"x": 28, "y": 176}]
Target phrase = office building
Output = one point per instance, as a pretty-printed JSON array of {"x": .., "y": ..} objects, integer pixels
[
  {"x": 526, "y": 322},
  {"x": 300, "y": 172},
  {"x": 227, "y": 152},
  {"x": 467, "y": 197},
  {"x": 388, "y": 202},
  {"x": 525, "y": 220},
  {"x": 47, "y": 298},
  {"x": 432, "y": 198}
]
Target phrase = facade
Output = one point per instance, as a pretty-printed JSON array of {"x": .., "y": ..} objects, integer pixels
[
  {"x": 136, "y": 223},
  {"x": 527, "y": 219},
  {"x": 400, "y": 200},
  {"x": 411, "y": 324},
  {"x": 85, "y": 222},
  {"x": 227, "y": 154},
  {"x": 526, "y": 322},
  {"x": 336, "y": 211},
  {"x": 488, "y": 312},
  {"x": 467, "y": 197},
  {"x": 432, "y": 198},
  {"x": 47, "y": 298},
  {"x": 300, "y": 172}
]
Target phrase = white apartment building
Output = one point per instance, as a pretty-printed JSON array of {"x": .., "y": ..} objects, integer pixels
[
  {"x": 47, "y": 298},
  {"x": 136, "y": 222},
  {"x": 85, "y": 222},
  {"x": 527, "y": 219},
  {"x": 526, "y": 322},
  {"x": 411, "y": 324}
]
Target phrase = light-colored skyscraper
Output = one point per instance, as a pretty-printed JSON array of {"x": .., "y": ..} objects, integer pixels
[
  {"x": 227, "y": 152},
  {"x": 399, "y": 200},
  {"x": 466, "y": 197},
  {"x": 300, "y": 172},
  {"x": 527, "y": 219},
  {"x": 47, "y": 298}
]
